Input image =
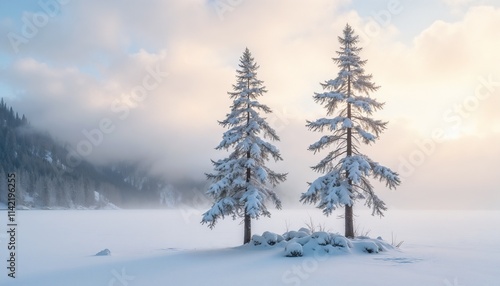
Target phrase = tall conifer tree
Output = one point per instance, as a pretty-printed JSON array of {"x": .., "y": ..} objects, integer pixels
[
  {"x": 346, "y": 171},
  {"x": 242, "y": 183}
]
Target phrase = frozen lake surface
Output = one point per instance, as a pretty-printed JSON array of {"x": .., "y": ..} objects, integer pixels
[{"x": 170, "y": 247}]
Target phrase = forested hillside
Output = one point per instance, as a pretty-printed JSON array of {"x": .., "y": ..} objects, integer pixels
[{"x": 45, "y": 181}]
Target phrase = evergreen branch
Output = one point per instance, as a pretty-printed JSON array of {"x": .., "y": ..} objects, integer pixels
[
  {"x": 382, "y": 173},
  {"x": 324, "y": 142},
  {"x": 326, "y": 164}
]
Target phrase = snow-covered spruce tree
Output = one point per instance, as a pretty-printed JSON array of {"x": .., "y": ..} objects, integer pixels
[
  {"x": 346, "y": 170},
  {"x": 241, "y": 183}
]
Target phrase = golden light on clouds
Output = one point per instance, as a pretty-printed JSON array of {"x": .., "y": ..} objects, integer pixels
[{"x": 440, "y": 79}]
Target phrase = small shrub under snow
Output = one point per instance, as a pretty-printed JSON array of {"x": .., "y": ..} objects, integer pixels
[
  {"x": 258, "y": 240},
  {"x": 302, "y": 242},
  {"x": 340, "y": 241},
  {"x": 321, "y": 237},
  {"x": 272, "y": 238},
  {"x": 294, "y": 249},
  {"x": 368, "y": 246},
  {"x": 306, "y": 230},
  {"x": 295, "y": 234}
]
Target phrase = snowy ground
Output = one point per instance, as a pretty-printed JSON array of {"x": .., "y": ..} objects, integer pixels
[{"x": 170, "y": 247}]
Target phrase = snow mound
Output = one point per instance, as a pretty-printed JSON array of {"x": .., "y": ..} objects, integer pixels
[
  {"x": 104, "y": 252},
  {"x": 305, "y": 243}
]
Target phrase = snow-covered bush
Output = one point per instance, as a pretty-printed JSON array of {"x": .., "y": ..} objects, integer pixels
[
  {"x": 321, "y": 237},
  {"x": 367, "y": 246},
  {"x": 294, "y": 249},
  {"x": 267, "y": 238},
  {"x": 301, "y": 243},
  {"x": 295, "y": 234},
  {"x": 340, "y": 241},
  {"x": 306, "y": 230},
  {"x": 258, "y": 240},
  {"x": 272, "y": 238}
]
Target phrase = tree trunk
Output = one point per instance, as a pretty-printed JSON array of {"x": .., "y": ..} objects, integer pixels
[
  {"x": 248, "y": 220},
  {"x": 349, "y": 221},
  {"x": 248, "y": 229}
]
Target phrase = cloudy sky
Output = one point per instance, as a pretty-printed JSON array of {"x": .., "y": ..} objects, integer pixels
[{"x": 152, "y": 77}]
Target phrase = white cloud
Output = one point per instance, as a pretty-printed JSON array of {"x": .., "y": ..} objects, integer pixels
[
  {"x": 92, "y": 54},
  {"x": 465, "y": 46}
]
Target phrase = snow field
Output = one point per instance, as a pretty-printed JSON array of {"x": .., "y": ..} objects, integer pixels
[{"x": 170, "y": 247}]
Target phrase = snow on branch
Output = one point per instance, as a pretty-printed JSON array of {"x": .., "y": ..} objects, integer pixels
[
  {"x": 324, "y": 142},
  {"x": 376, "y": 126},
  {"x": 330, "y": 123},
  {"x": 268, "y": 148},
  {"x": 252, "y": 200},
  {"x": 275, "y": 178},
  {"x": 220, "y": 209},
  {"x": 331, "y": 190},
  {"x": 328, "y": 96},
  {"x": 385, "y": 174},
  {"x": 334, "y": 84},
  {"x": 366, "y": 136},
  {"x": 365, "y": 104},
  {"x": 356, "y": 167}
]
